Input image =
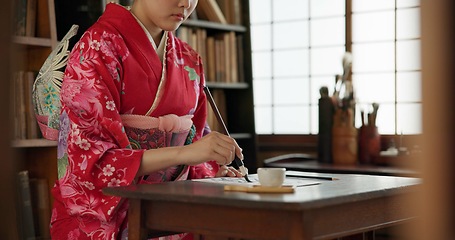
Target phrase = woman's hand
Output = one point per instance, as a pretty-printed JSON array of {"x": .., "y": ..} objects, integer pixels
[
  {"x": 227, "y": 171},
  {"x": 214, "y": 146}
]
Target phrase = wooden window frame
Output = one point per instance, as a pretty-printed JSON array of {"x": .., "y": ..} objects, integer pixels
[{"x": 284, "y": 143}]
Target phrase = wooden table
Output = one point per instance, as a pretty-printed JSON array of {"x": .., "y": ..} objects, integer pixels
[{"x": 350, "y": 205}]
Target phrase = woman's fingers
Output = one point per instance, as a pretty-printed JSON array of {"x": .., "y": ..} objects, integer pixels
[
  {"x": 223, "y": 147},
  {"x": 234, "y": 172},
  {"x": 214, "y": 146},
  {"x": 223, "y": 171},
  {"x": 230, "y": 144},
  {"x": 221, "y": 159},
  {"x": 226, "y": 171}
]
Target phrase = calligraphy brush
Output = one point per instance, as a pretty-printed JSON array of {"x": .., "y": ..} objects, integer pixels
[{"x": 237, "y": 163}]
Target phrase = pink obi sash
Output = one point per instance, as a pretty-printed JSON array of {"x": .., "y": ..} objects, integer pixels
[
  {"x": 150, "y": 133},
  {"x": 166, "y": 123}
]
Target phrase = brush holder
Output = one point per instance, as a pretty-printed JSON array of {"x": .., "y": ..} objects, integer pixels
[{"x": 369, "y": 144}]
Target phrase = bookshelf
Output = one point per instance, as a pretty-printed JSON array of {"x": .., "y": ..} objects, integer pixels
[
  {"x": 229, "y": 78},
  {"x": 32, "y": 154},
  {"x": 32, "y": 50}
]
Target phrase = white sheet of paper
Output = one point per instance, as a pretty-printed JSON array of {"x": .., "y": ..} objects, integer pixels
[{"x": 289, "y": 181}]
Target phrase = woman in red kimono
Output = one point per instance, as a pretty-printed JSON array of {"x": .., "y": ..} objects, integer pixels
[{"x": 133, "y": 112}]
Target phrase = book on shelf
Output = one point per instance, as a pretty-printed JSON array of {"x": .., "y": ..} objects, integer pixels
[
  {"x": 39, "y": 192},
  {"x": 26, "y": 126},
  {"x": 219, "y": 11},
  {"x": 229, "y": 63},
  {"x": 209, "y": 10},
  {"x": 237, "y": 12},
  {"x": 233, "y": 57},
  {"x": 210, "y": 60},
  {"x": 219, "y": 60},
  {"x": 220, "y": 101},
  {"x": 19, "y": 106},
  {"x": 227, "y": 52},
  {"x": 226, "y": 58},
  {"x": 240, "y": 58},
  {"x": 26, "y": 221},
  {"x": 25, "y": 17},
  {"x": 218, "y": 52},
  {"x": 231, "y": 10},
  {"x": 30, "y": 19},
  {"x": 34, "y": 207},
  {"x": 14, "y": 105},
  {"x": 20, "y": 16},
  {"x": 32, "y": 129},
  {"x": 201, "y": 38}
]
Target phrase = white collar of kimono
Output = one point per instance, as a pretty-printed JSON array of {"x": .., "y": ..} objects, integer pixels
[{"x": 160, "y": 49}]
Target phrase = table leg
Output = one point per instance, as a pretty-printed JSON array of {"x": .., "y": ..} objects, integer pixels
[
  {"x": 299, "y": 229},
  {"x": 136, "y": 230}
]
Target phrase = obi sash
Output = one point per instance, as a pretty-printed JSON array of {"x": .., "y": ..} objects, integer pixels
[{"x": 146, "y": 132}]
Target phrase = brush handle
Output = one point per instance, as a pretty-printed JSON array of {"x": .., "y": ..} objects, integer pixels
[
  {"x": 237, "y": 163},
  {"x": 215, "y": 110}
]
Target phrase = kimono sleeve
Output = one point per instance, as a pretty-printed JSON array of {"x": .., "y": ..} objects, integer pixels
[{"x": 93, "y": 139}]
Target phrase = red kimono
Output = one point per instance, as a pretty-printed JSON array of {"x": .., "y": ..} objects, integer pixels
[{"x": 118, "y": 99}]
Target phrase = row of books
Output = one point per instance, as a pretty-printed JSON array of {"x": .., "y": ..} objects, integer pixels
[
  {"x": 221, "y": 53},
  {"x": 25, "y": 124},
  {"x": 25, "y": 17},
  {"x": 34, "y": 208}
]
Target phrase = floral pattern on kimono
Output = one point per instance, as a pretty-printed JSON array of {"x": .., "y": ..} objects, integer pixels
[{"x": 109, "y": 75}]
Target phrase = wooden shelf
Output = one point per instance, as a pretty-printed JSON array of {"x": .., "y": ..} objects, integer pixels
[
  {"x": 216, "y": 85},
  {"x": 241, "y": 135},
  {"x": 33, "y": 143},
  {"x": 33, "y": 41},
  {"x": 214, "y": 25}
]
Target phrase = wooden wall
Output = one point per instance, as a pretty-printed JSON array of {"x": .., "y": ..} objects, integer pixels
[{"x": 437, "y": 202}]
